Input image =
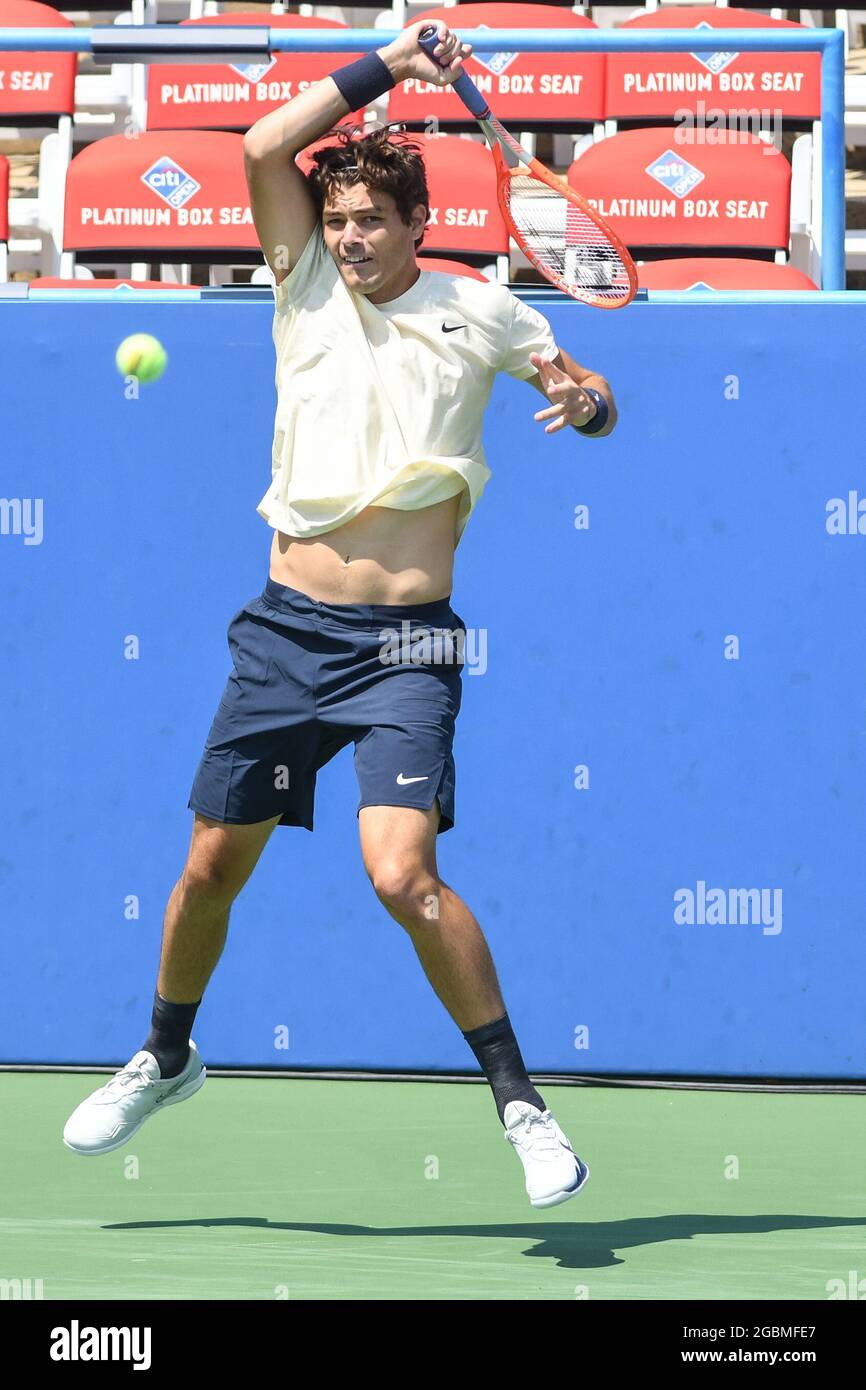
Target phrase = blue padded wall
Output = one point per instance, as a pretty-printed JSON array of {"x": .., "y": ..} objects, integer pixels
[{"x": 695, "y": 642}]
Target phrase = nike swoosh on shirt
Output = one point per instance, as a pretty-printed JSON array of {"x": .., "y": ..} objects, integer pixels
[
  {"x": 452, "y": 328},
  {"x": 404, "y": 781}
]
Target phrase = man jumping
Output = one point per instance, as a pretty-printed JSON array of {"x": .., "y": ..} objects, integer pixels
[{"x": 383, "y": 374}]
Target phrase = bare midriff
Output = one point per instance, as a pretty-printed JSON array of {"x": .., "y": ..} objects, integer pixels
[{"x": 381, "y": 556}]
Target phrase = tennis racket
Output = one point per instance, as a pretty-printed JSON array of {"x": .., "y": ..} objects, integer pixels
[{"x": 558, "y": 231}]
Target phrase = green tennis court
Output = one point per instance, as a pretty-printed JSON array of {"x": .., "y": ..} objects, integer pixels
[{"x": 270, "y": 1188}]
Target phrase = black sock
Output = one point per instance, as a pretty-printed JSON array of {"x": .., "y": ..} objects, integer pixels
[
  {"x": 168, "y": 1040},
  {"x": 495, "y": 1047}
]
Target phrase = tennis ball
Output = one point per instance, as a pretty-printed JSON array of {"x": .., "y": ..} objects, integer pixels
[{"x": 141, "y": 355}]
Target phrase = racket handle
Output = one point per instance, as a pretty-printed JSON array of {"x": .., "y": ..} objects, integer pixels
[{"x": 464, "y": 86}]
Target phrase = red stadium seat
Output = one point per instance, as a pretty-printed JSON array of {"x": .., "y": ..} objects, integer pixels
[
  {"x": 165, "y": 196},
  {"x": 784, "y": 86},
  {"x": 721, "y": 273},
  {"x": 232, "y": 96},
  {"x": 532, "y": 91},
  {"x": 464, "y": 212},
  {"x": 37, "y": 90},
  {"x": 658, "y": 189}
]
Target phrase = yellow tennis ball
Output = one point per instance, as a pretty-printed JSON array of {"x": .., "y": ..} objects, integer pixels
[{"x": 141, "y": 355}]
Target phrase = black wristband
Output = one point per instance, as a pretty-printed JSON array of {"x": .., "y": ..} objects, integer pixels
[
  {"x": 600, "y": 418},
  {"x": 363, "y": 81}
]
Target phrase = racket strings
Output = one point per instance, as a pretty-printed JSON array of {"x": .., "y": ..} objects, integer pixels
[{"x": 563, "y": 241}]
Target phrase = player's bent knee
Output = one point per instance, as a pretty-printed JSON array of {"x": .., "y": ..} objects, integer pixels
[
  {"x": 405, "y": 889},
  {"x": 210, "y": 883},
  {"x": 221, "y": 859}
]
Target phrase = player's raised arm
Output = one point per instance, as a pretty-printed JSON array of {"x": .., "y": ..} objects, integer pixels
[{"x": 283, "y": 208}]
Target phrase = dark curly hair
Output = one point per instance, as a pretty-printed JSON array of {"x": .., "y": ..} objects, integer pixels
[{"x": 378, "y": 160}]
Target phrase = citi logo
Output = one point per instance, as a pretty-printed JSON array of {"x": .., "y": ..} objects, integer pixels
[
  {"x": 77, "y": 1343},
  {"x": 674, "y": 173},
  {"x": 252, "y": 72},
  {"x": 713, "y": 62},
  {"x": 169, "y": 182},
  {"x": 494, "y": 62}
]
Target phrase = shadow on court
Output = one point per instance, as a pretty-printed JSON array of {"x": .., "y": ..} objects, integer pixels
[{"x": 571, "y": 1244}]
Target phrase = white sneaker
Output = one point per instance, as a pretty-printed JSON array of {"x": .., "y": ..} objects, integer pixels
[
  {"x": 553, "y": 1170},
  {"x": 109, "y": 1117}
]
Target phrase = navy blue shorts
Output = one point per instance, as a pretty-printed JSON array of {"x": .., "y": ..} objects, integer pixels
[{"x": 310, "y": 677}]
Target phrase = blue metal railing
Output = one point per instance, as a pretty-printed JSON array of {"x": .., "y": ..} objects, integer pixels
[{"x": 243, "y": 43}]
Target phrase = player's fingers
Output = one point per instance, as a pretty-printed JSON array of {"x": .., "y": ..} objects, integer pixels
[
  {"x": 457, "y": 63},
  {"x": 559, "y": 423},
  {"x": 548, "y": 371},
  {"x": 448, "y": 62},
  {"x": 551, "y": 412}
]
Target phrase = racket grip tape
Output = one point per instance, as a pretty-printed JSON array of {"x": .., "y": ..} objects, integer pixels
[{"x": 464, "y": 86}]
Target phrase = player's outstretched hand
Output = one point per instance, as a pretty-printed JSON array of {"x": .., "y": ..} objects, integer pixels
[
  {"x": 406, "y": 59},
  {"x": 570, "y": 405}
]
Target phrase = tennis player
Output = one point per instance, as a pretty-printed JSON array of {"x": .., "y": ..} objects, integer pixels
[{"x": 383, "y": 374}]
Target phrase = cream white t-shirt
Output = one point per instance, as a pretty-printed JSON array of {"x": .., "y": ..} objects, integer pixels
[{"x": 383, "y": 403}]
